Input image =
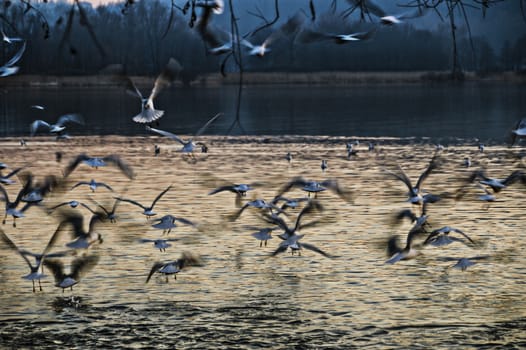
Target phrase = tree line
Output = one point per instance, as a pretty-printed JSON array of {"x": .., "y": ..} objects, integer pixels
[{"x": 68, "y": 40}]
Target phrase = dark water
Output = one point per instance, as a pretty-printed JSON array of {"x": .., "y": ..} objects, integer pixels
[{"x": 442, "y": 111}]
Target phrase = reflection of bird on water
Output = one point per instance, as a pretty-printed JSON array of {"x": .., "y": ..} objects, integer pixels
[
  {"x": 96, "y": 162},
  {"x": 147, "y": 211}
]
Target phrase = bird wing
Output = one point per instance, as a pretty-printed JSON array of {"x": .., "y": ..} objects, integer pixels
[
  {"x": 184, "y": 221},
  {"x": 402, "y": 177},
  {"x": 169, "y": 74},
  {"x": 36, "y": 124},
  {"x": 288, "y": 28},
  {"x": 309, "y": 208},
  {"x": 73, "y": 164},
  {"x": 156, "y": 266},
  {"x": 57, "y": 268},
  {"x": 160, "y": 195},
  {"x": 11, "y": 245},
  {"x": 74, "y": 118},
  {"x": 433, "y": 164},
  {"x": 368, "y": 6},
  {"x": 123, "y": 166},
  {"x": 52, "y": 241},
  {"x": 167, "y": 134},
  {"x": 132, "y": 202},
  {"x": 204, "y": 127},
  {"x": 82, "y": 265},
  {"x": 221, "y": 189},
  {"x": 280, "y": 249},
  {"x": 332, "y": 184},
  {"x": 418, "y": 12},
  {"x": 314, "y": 249},
  {"x": 4, "y": 193},
  {"x": 296, "y": 181},
  {"x": 87, "y": 207},
  {"x": 104, "y": 185},
  {"x": 80, "y": 183},
  {"x": 14, "y": 172},
  {"x": 463, "y": 234}
]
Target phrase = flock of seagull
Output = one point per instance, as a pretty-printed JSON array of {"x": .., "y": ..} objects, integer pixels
[{"x": 275, "y": 213}]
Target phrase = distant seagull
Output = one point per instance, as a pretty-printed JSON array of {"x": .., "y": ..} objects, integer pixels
[
  {"x": 188, "y": 146},
  {"x": 148, "y": 112},
  {"x": 39, "y": 258},
  {"x": 147, "y": 211},
  {"x": 415, "y": 192},
  {"x": 39, "y": 107},
  {"x": 288, "y": 157},
  {"x": 519, "y": 132},
  {"x": 311, "y": 186},
  {"x": 482, "y": 147},
  {"x": 157, "y": 150},
  {"x": 308, "y": 36},
  {"x": 9, "y": 67},
  {"x": 79, "y": 267},
  {"x": 217, "y": 6},
  {"x": 369, "y": 7},
  {"x": 161, "y": 243},
  {"x": 167, "y": 223},
  {"x": 467, "y": 162},
  {"x": 93, "y": 185},
  {"x": 263, "y": 235},
  {"x": 256, "y": 203},
  {"x": 324, "y": 165},
  {"x": 239, "y": 189},
  {"x": 96, "y": 162},
  {"x": 57, "y": 128},
  {"x": 287, "y": 29},
  {"x": 174, "y": 267},
  {"x": 23, "y": 143}
]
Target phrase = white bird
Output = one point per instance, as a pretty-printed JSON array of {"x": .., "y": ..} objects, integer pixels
[
  {"x": 188, "y": 146},
  {"x": 9, "y": 67},
  {"x": 288, "y": 28},
  {"x": 59, "y": 127},
  {"x": 79, "y": 266},
  {"x": 308, "y": 35},
  {"x": 368, "y": 6},
  {"x": 148, "y": 112},
  {"x": 519, "y": 131}
]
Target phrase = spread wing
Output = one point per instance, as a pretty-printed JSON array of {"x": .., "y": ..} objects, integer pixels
[
  {"x": 37, "y": 124},
  {"x": 204, "y": 127},
  {"x": 160, "y": 195},
  {"x": 17, "y": 56},
  {"x": 167, "y": 134},
  {"x": 169, "y": 74},
  {"x": 118, "y": 162},
  {"x": 73, "y": 118}
]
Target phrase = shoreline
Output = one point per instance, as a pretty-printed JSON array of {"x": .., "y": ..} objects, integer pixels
[{"x": 280, "y": 78}]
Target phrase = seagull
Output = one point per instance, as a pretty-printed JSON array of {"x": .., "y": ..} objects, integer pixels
[
  {"x": 11, "y": 207},
  {"x": 157, "y": 150},
  {"x": 289, "y": 202},
  {"x": 72, "y": 204},
  {"x": 82, "y": 239},
  {"x": 59, "y": 127},
  {"x": 239, "y": 189},
  {"x": 96, "y": 162},
  {"x": 288, "y": 28},
  {"x": 311, "y": 186},
  {"x": 148, "y": 112},
  {"x": 324, "y": 165},
  {"x": 188, "y": 146},
  {"x": 263, "y": 235},
  {"x": 35, "y": 192},
  {"x": 519, "y": 132},
  {"x": 9, "y": 67},
  {"x": 39, "y": 258},
  {"x": 288, "y": 157},
  {"x": 497, "y": 184},
  {"x": 93, "y": 185},
  {"x": 440, "y": 237},
  {"x": 368, "y": 6},
  {"x": 397, "y": 253},
  {"x": 148, "y": 211},
  {"x": 290, "y": 237},
  {"x": 256, "y": 203},
  {"x": 79, "y": 267},
  {"x": 5, "y": 179},
  {"x": 167, "y": 222},
  {"x": 110, "y": 214},
  {"x": 308, "y": 36},
  {"x": 161, "y": 243},
  {"x": 174, "y": 267},
  {"x": 415, "y": 193}
]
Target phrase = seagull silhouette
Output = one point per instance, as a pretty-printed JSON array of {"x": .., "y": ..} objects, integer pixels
[
  {"x": 147, "y": 211},
  {"x": 96, "y": 162}
]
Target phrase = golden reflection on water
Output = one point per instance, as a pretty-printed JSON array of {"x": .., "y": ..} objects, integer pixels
[{"x": 352, "y": 291}]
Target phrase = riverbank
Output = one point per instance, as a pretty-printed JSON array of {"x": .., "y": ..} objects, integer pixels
[{"x": 258, "y": 78}]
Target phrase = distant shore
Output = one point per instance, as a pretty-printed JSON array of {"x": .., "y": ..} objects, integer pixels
[{"x": 285, "y": 78}]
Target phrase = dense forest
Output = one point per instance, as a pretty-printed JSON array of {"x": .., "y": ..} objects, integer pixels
[{"x": 143, "y": 35}]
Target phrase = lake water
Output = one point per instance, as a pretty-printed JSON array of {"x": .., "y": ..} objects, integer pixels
[
  {"x": 241, "y": 297},
  {"x": 440, "y": 111}
]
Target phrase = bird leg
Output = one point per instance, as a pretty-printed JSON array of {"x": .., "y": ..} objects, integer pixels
[
  {"x": 40, "y": 285},
  {"x": 33, "y": 285}
]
